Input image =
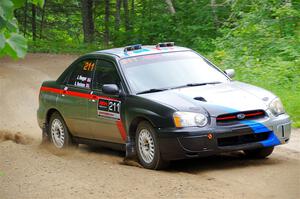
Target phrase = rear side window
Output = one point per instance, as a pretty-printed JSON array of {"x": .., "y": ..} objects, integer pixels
[
  {"x": 82, "y": 74},
  {"x": 105, "y": 73}
]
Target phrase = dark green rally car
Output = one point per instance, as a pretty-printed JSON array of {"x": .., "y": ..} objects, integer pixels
[{"x": 159, "y": 103}]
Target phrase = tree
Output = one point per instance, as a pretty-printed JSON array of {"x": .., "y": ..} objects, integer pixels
[
  {"x": 43, "y": 20},
  {"x": 106, "y": 23},
  {"x": 12, "y": 43},
  {"x": 25, "y": 18},
  {"x": 214, "y": 13},
  {"x": 132, "y": 8},
  {"x": 87, "y": 20},
  {"x": 170, "y": 6},
  {"x": 117, "y": 15},
  {"x": 33, "y": 22},
  {"x": 126, "y": 15}
]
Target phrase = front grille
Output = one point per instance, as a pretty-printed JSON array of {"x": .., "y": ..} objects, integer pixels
[
  {"x": 241, "y": 116},
  {"x": 242, "y": 139}
]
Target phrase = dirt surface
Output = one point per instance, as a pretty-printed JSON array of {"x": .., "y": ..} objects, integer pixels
[{"x": 28, "y": 170}]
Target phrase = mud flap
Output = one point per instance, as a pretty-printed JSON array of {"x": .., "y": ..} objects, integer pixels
[
  {"x": 130, "y": 149},
  {"x": 45, "y": 136}
]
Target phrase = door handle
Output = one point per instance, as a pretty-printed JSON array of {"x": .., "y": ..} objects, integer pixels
[
  {"x": 94, "y": 98},
  {"x": 64, "y": 93}
]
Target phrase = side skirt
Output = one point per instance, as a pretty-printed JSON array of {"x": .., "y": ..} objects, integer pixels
[{"x": 105, "y": 144}]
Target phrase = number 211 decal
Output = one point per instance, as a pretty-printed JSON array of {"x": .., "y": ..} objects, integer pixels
[{"x": 109, "y": 108}]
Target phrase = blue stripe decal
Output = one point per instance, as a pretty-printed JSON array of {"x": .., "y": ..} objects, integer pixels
[
  {"x": 128, "y": 53},
  {"x": 140, "y": 51},
  {"x": 260, "y": 128},
  {"x": 257, "y": 128}
]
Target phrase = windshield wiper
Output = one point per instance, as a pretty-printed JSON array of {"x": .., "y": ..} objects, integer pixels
[
  {"x": 152, "y": 90},
  {"x": 196, "y": 84}
]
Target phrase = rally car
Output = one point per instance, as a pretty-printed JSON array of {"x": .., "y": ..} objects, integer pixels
[{"x": 159, "y": 103}]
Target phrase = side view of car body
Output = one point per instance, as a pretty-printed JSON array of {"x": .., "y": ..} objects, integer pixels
[{"x": 159, "y": 103}]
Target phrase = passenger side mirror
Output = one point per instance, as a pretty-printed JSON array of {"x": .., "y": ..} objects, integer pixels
[
  {"x": 230, "y": 72},
  {"x": 110, "y": 89}
]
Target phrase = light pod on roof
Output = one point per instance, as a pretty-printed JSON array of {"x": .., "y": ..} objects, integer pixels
[
  {"x": 133, "y": 47},
  {"x": 165, "y": 44}
]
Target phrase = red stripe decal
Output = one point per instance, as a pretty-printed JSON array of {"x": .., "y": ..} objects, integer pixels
[
  {"x": 76, "y": 94},
  {"x": 254, "y": 114},
  {"x": 53, "y": 90},
  {"x": 226, "y": 118},
  {"x": 121, "y": 129}
]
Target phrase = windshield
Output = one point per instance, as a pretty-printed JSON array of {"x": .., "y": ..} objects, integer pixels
[{"x": 169, "y": 70}]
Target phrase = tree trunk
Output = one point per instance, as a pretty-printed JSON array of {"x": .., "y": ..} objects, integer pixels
[
  {"x": 106, "y": 23},
  {"x": 87, "y": 20},
  {"x": 33, "y": 22},
  {"x": 126, "y": 13},
  {"x": 132, "y": 12},
  {"x": 117, "y": 16},
  {"x": 43, "y": 20},
  {"x": 25, "y": 18},
  {"x": 214, "y": 13},
  {"x": 170, "y": 6}
]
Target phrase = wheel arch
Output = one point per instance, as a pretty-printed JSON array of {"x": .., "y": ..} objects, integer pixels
[
  {"x": 48, "y": 117},
  {"x": 134, "y": 124},
  {"x": 50, "y": 113}
]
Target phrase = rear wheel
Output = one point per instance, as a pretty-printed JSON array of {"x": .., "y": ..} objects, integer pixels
[
  {"x": 58, "y": 132},
  {"x": 259, "y": 153},
  {"x": 148, "y": 148}
]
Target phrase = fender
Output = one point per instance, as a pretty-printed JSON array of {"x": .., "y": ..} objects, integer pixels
[{"x": 153, "y": 112}]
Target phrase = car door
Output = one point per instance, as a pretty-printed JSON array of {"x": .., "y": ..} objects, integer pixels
[
  {"x": 104, "y": 110},
  {"x": 73, "y": 102}
]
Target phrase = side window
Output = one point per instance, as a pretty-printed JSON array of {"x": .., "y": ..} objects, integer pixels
[
  {"x": 82, "y": 74},
  {"x": 105, "y": 73}
]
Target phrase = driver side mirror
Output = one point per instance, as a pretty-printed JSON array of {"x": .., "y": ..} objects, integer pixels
[
  {"x": 230, "y": 72},
  {"x": 110, "y": 89}
]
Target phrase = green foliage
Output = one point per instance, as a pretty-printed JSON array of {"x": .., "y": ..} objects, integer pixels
[
  {"x": 12, "y": 43},
  {"x": 262, "y": 43}
]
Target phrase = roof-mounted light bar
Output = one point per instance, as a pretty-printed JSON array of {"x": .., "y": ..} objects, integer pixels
[
  {"x": 133, "y": 47},
  {"x": 165, "y": 44}
]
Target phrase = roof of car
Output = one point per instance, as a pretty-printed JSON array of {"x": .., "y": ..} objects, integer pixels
[{"x": 145, "y": 50}]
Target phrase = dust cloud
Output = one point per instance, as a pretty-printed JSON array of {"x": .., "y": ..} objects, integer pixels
[{"x": 17, "y": 137}]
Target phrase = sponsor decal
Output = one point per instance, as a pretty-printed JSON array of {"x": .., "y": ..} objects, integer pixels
[{"x": 109, "y": 108}]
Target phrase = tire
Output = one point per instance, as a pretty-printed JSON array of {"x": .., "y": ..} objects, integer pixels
[
  {"x": 147, "y": 147},
  {"x": 58, "y": 132},
  {"x": 259, "y": 153}
]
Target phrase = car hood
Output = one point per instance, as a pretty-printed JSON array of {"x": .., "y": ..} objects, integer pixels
[{"x": 216, "y": 99}]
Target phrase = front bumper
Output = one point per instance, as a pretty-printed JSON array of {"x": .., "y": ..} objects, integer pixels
[{"x": 194, "y": 142}]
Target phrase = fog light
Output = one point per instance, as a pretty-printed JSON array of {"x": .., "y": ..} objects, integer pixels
[{"x": 209, "y": 136}]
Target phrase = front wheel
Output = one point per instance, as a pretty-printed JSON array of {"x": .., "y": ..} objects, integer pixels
[
  {"x": 148, "y": 148},
  {"x": 58, "y": 132},
  {"x": 259, "y": 153}
]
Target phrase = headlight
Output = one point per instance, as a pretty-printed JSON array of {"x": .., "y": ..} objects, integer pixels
[
  {"x": 276, "y": 107},
  {"x": 186, "y": 119}
]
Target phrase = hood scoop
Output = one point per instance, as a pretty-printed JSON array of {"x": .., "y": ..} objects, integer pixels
[{"x": 200, "y": 99}]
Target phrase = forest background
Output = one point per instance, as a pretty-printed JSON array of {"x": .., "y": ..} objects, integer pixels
[{"x": 260, "y": 39}]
